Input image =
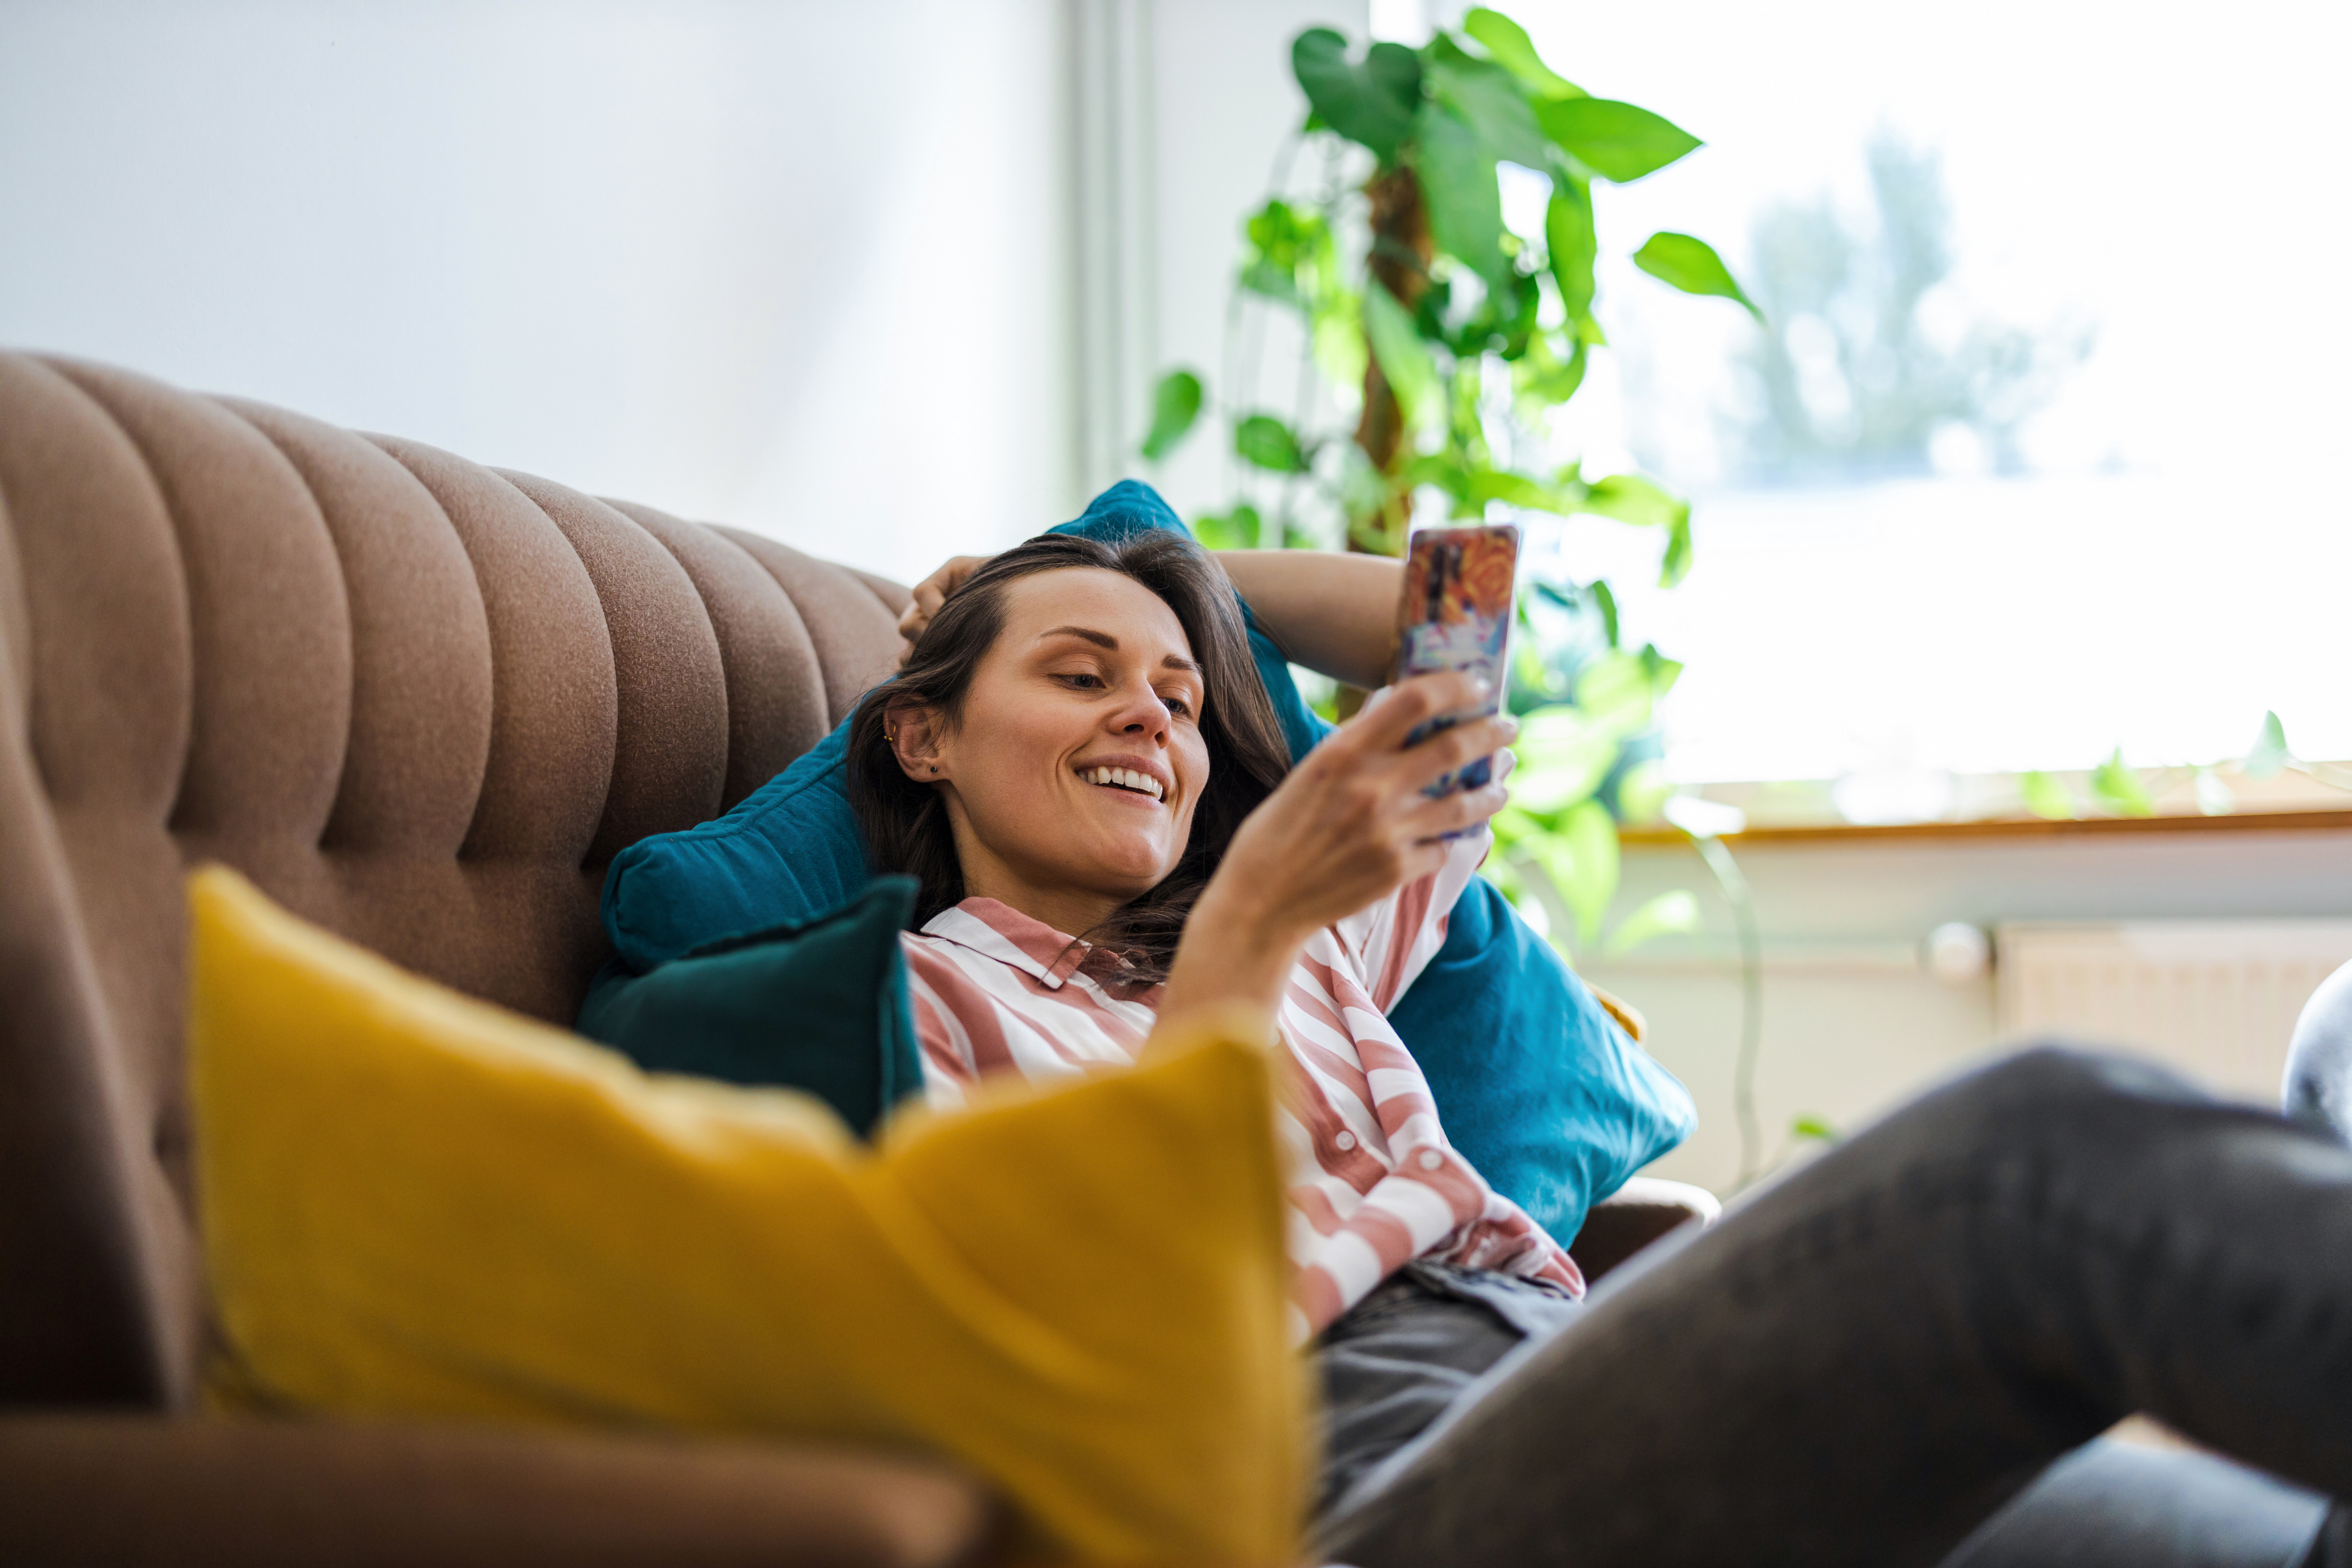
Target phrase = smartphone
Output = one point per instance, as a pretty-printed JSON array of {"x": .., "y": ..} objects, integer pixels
[{"x": 1457, "y": 615}]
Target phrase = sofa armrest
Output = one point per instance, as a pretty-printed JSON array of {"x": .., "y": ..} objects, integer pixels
[
  {"x": 1635, "y": 1215},
  {"x": 139, "y": 1490}
]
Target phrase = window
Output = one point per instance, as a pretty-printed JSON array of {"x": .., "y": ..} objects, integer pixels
[{"x": 2040, "y": 457}]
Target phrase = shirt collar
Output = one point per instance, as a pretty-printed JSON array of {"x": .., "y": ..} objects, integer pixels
[{"x": 1000, "y": 931}]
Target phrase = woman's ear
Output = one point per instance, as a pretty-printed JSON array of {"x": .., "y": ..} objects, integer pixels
[{"x": 914, "y": 733}]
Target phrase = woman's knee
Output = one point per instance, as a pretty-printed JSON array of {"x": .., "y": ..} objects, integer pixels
[
  {"x": 2059, "y": 1070},
  {"x": 2053, "y": 1089}
]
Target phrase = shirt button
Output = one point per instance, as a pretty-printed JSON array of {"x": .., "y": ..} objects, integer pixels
[
  {"x": 1344, "y": 1141},
  {"x": 1431, "y": 1159}
]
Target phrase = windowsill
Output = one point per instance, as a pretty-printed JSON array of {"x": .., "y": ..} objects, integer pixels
[{"x": 2336, "y": 820}]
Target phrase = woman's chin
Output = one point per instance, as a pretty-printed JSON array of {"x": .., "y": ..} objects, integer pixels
[{"x": 1125, "y": 865}]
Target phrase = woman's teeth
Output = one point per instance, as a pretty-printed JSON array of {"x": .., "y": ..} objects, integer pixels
[{"x": 1143, "y": 784}]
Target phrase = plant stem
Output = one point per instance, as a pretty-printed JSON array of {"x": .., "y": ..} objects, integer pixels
[
  {"x": 1400, "y": 257},
  {"x": 1728, "y": 878}
]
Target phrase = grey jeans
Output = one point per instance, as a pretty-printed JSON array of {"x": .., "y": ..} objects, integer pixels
[{"x": 1880, "y": 1360}]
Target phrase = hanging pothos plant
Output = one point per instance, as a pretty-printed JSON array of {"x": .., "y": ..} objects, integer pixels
[{"x": 1453, "y": 339}]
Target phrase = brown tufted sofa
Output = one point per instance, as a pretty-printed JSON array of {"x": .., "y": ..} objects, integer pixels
[{"x": 421, "y": 703}]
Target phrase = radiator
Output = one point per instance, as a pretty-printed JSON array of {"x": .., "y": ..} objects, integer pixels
[{"x": 2217, "y": 999}]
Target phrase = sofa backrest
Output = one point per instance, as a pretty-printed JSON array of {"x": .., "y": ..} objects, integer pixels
[{"x": 416, "y": 700}]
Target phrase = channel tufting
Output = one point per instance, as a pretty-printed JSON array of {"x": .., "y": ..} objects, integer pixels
[{"x": 417, "y": 700}]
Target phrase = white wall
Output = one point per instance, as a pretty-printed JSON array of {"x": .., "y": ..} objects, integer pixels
[
  {"x": 1224, "y": 105},
  {"x": 804, "y": 267},
  {"x": 815, "y": 270},
  {"x": 1852, "y": 1024}
]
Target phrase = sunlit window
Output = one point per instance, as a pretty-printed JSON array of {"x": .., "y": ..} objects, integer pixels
[{"x": 2037, "y": 460}]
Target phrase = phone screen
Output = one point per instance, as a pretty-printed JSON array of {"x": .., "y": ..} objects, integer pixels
[{"x": 1457, "y": 615}]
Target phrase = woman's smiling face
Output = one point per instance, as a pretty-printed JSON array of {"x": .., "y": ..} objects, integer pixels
[{"x": 1072, "y": 773}]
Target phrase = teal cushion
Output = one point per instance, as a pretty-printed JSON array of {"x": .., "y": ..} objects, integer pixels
[
  {"x": 816, "y": 1005},
  {"x": 1536, "y": 1085},
  {"x": 1535, "y": 1082},
  {"x": 789, "y": 850}
]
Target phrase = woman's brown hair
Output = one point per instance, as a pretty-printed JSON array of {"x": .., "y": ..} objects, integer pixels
[{"x": 906, "y": 826}]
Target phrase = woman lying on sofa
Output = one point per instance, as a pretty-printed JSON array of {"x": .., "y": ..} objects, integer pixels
[{"x": 1862, "y": 1365}]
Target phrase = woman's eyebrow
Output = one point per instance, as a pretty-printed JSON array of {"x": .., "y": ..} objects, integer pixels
[{"x": 1104, "y": 640}]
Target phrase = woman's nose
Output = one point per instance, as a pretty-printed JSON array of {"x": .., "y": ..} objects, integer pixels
[{"x": 1142, "y": 714}]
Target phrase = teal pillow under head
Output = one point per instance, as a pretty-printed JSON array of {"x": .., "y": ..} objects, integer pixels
[{"x": 1536, "y": 1085}]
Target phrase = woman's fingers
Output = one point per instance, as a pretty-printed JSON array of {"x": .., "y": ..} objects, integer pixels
[
  {"x": 1452, "y": 814},
  {"x": 1352, "y": 823},
  {"x": 933, "y": 591},
  {"x": 1409, "y": 704},
  {"x": 1451, "y": 750}
]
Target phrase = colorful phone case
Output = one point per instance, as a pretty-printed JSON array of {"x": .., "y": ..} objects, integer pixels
[{"x": 1457, "y": 615}]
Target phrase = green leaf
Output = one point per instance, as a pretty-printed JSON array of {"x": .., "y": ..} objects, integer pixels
[
  {"x": 1338, "y": 336},
  {"x": 1404, "y": 358},
  {"x": 1607, "y": 600},
  {"x": 1519, "y": 490},
  {"x": 1642, "y": 790},
  {"x": 1675, "y": 562},
  {"x": 1444, "y": 470},
  {"x": 1616, "y": 140},
  {"x": 1667, "y": 914},
  {"x": 1692, "y": 266},
  {"x": 1629, "y": 497},
  {"x": 2119, "y": 786},
  {"x": 1371, "y": 104},
  {"x": 1235, "y": 530},
  {"x": 1568, "y": 236},
  {"x": 1174, "y": 406},
  {"x": 1513, "y": 825},
  {"x": 1490, "y": 100},
  {"x": 1582, "y": 861},
  {"x": 1814, "y": 1127},
  {"x": 1616, "y": 689},
  {"x": 1289, "y": 256},
  {"x": 2269, "y": 756},
  {"x": 1659, "y": 670},
  {"x": 1268, "y": 443},
  {"x": 1564, "y": 754},
  {"x": 1508, "y": 43},
  {"x": 2047, "y": 798},
  {"x": 1459, "y": 188},
  {"x": 1542, "y": 378}
]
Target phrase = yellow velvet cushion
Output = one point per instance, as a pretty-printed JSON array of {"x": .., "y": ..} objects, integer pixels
[{"x": 416, "y": 1204}]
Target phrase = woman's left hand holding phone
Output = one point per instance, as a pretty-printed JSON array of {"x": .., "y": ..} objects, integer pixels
[{"x": 1350, "y": 825}]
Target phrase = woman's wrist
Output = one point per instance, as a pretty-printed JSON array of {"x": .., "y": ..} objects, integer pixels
[{"x": 1235, "y": 955}]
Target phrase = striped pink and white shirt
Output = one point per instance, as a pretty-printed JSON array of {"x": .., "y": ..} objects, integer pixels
[{"x": 1373, "y": 1183}]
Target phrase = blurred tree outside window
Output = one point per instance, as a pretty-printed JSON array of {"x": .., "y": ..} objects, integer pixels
[{"x": 1870, "y": 364}]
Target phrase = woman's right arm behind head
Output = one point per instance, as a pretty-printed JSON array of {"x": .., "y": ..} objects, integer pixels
[{"x": 1334, "y": 613}]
